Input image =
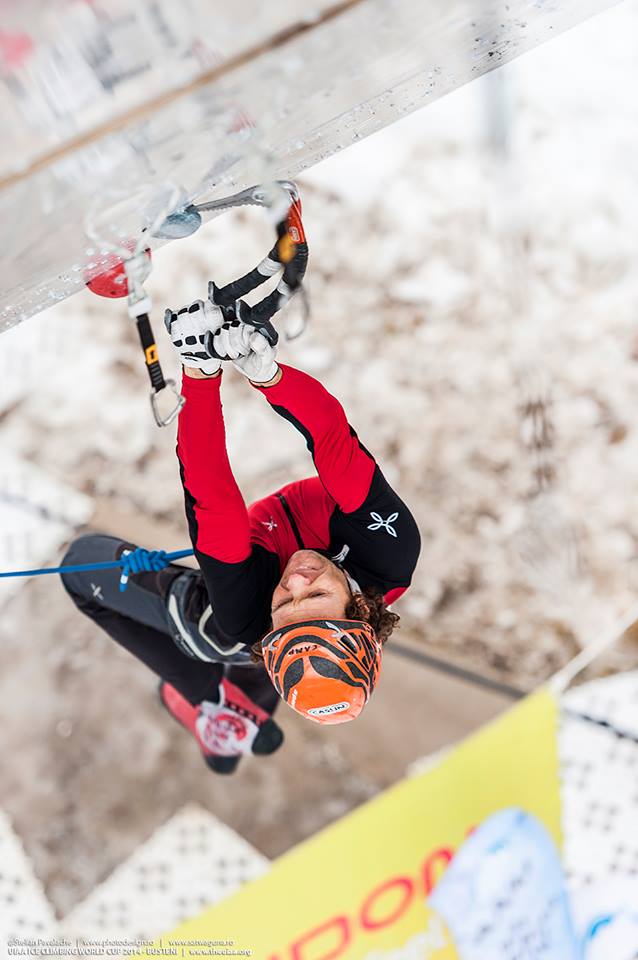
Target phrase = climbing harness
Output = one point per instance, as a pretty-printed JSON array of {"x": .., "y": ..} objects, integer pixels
[
  {"x": 130, "y": 266},
  {"x": 131, "y": 561}
]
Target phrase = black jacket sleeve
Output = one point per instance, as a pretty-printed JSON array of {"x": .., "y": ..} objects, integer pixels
[{"x": 379, "y": 541}]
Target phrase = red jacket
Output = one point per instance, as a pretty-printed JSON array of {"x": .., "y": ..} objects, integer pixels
[{"x": 348, "y": 512}]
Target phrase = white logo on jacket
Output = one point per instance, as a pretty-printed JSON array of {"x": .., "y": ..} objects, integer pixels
[{"x": 381, "y": 524}]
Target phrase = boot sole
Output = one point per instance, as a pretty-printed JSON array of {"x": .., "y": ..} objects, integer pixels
[{"x": 224, "y": 765}]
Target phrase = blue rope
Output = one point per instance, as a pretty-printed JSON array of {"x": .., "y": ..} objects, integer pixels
[{"x": 134, "y": 561}]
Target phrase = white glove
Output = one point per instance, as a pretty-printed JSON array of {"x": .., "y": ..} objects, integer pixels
[
  {"x": 231, "y": 340},
  {"x": 260, "y": 365},
  {"x": 189, "y": 329}
]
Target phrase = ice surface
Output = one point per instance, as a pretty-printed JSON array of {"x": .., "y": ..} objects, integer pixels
[{"x": 296, "y": 104}]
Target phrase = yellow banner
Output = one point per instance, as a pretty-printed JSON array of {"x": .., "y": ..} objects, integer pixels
[{"x": 358, "y": 888}]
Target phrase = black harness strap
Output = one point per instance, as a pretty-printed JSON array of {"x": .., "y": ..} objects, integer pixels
[
  {"x": 151, "y": 356},
  {"x": 291, "y": 520}
]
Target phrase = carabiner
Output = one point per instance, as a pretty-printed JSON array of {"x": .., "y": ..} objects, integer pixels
[{"x": 174, "y": 413}]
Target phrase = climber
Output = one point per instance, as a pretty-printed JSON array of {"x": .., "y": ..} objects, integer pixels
[{"x": 291, "y": 599}]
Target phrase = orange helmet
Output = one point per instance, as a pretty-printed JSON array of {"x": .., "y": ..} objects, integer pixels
[{"x": 326, "y": 670}]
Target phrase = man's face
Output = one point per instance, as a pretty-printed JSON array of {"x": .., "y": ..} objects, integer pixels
[{"x": 311, "y": 588}]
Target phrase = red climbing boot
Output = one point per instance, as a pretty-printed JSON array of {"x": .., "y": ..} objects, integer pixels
[{"x": 227, "y": 729}]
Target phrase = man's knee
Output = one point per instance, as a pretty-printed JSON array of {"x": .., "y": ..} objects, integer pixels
[{"x": 87, "y": 549}]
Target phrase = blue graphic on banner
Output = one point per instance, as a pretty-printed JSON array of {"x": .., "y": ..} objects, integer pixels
[
  {"x": 504, "y": 894},
  {"x": 606, "y": 919}
]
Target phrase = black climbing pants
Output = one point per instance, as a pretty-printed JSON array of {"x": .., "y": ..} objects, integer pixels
[{"x": 137, "y": 620}]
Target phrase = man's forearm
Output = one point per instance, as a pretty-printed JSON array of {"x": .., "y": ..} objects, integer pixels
[
  {"x": 196, "y": 374},
  {"x": 344, "y": 467},
  {"x": 217, "y": 517},
  {"x": 270, "y": 383}
]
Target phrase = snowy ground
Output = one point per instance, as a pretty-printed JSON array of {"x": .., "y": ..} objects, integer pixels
[{"x": 446, "y": 277}]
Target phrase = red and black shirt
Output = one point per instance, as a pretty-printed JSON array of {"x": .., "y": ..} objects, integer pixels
[{"x": 348, "y": 512}]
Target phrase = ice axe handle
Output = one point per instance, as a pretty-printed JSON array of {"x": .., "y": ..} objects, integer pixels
[{"x": 261, "y": 324}]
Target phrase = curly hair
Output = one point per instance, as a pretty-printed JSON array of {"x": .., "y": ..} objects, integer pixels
[{"x": 369, "y": 605}]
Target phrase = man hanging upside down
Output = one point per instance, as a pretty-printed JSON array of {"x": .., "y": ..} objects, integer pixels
[{"x": 291, "y": 598}]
